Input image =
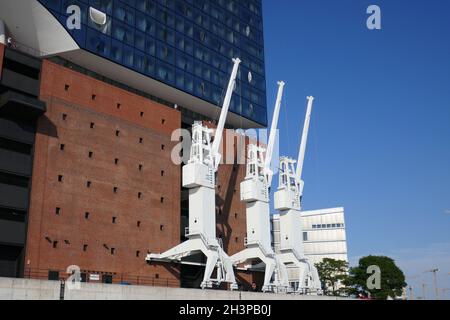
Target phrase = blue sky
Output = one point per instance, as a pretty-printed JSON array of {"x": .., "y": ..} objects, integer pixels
[{"x": 380, "y": 138}]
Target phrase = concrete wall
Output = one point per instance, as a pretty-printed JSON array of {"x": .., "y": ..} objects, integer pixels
[{"x": 23, "y": 289}]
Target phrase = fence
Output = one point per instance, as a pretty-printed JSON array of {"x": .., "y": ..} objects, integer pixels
[{"x": 100, "y": 277}]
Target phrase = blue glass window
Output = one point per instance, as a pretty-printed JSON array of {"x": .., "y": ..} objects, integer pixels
[
  {"x": 123, "y": 13},
  {"x": 185, "y": 43}
]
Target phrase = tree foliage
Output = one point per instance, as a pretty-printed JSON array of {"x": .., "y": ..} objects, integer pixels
[
  {"x": 332, "y": 272},
  {"x": 392, "y": 278}
]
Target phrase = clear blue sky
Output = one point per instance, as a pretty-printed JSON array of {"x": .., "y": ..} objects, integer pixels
[{"x": 380, "y": 137}]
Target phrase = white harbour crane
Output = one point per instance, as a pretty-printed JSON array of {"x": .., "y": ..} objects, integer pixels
[
  {"x": 288, "y": 202},
  {"x": 199, "y": 178},
  {"x": 255, "y": 193}
]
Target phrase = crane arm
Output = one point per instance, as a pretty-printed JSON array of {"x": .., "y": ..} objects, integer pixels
[
  {"x": 273, "y": 133},
  {"x": 223, "y": 115},
  {"x": 301, "y": 155}
]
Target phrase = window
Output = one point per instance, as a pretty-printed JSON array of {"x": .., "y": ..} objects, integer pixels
[
  {"x": 141, "y": 140},
  {"x": 141, "y": 167},
  {"x": 66, "y": 87},
  {"x": 114, "y": 220},
  {"x": 117, "y": 133},
  {"x": 53, "y": 275},
  {"x": 64, "y": 116},
  {"x": 86, "y": 215},
  {"x": 138, "y": 253},
  {"x": 161, "y": 227},
  {"x": 163, "y": 147},
  {"x": 107, "y": 278},
  {"x": 305, "y": 236},
  {"x": 91, "y": 154},
  {"x": 55, "y": 244},
  {"x": 58, "y": 211},
  {"x": 85, "y": 247},
  {"x": 162, "y": 173},
  {"x": 138, "y": 224},
  {"x": 88, "y": 184},
  {"x": 113, "y": 251},
  {"x": 162, "y": 199},
  {"x": 60, "y": 178},
  {"x": 142, "y": 113},
  {"x": 163, "y": 121},
  {"x": 92, "y": 125},
  {"x": 93, "y": 97},
  {"x": 118, "y": 106},
  {"x": 115, "y": 189},
  {"x": 116, "y": 161},
  {"x": 62, "y": 147}
]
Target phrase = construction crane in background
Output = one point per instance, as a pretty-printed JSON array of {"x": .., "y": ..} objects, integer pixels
[
  {"x": 434, "y": 272},
  {"x": 424, "y": 291},
  {"x": 288, "y": 200},
  {"x": 444, "y": 292},
  {"x": 411, "y": 293},
  {"x": 255, "y": 193},
  {"x": 199, "y": 177}
]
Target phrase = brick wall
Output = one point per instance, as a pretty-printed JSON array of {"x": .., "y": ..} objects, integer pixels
[{"x": 93, "y": 139}]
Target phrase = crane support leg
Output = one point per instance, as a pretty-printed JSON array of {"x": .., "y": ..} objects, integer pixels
[{"x": 216, "y": 258}]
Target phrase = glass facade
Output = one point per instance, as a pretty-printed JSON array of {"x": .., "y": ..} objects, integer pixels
[{"x": 187, "y": 44}]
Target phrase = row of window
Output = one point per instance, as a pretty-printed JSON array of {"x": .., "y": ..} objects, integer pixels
[
  {"x": 140, "y": 167},
  {"x": 175, "y": 50},
  {"x": 328, "y": 226},
  {"x": 87, "y": 216},
  {"x": 118, "y": 106},
  {"x": 202, "y": 83},
  {"x": 55, "y": 245},
  {"x": 193, "y": 60},
  {"x": 199, "y": 27},
  {"x": 117, "y": 133},
  {"x": 115, "y": 190},
  {"x": 242, "y": 12}
]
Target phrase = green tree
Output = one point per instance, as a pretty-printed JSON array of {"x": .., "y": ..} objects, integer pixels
[
  {"x": 331, "y": 272},
  {"x": 392, "y": 279}
]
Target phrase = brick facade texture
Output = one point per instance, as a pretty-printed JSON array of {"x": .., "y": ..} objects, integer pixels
[{"x": 95, "y": 138}]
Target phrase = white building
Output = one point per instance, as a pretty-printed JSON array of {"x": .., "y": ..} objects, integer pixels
[{"x": 324, "y": 234}]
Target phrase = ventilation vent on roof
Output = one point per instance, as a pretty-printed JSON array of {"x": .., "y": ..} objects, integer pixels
[{"x": 97, "y": 16}]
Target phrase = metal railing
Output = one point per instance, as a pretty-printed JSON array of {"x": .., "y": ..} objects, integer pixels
[
  {"x": 264, "y": 251},
  {"x": 109, "y": 278}
]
